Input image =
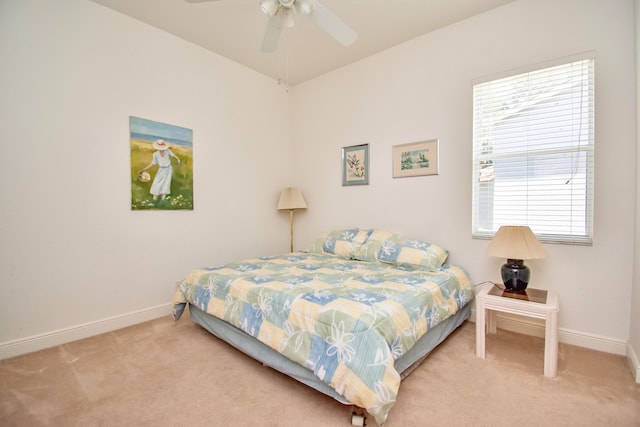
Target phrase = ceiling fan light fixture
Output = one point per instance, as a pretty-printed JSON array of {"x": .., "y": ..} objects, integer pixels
[
  {"x": 269, "y": 7},
  {"x": 304, "y": 7}
]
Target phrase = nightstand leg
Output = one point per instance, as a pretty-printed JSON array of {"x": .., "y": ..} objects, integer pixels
[
  {"x": 480, "y": 328},
  {"x": 551, "y": 345},
  {"x": 492, "y": 321}
]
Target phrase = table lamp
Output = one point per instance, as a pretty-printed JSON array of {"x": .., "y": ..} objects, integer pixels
[
  {"x": 515, "y": 243},
  {"x": 291, "y": 198}
]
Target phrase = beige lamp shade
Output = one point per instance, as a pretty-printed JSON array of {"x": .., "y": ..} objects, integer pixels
[
  {"x": 516, "y": 242},
  {"x": 291, "y": 198}
]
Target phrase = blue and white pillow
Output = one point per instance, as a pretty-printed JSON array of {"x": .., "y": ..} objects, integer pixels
[
  {"x": 338, "y": 242},
  {"x": 413, "y": 254}
]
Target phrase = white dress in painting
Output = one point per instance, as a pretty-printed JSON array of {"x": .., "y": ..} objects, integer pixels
[{"x": 162, "y": 182}]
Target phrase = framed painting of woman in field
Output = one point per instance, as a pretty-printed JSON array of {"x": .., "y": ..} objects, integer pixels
[{"x": 161, "y": 165}]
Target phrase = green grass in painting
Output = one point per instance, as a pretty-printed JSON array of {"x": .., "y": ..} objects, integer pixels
[{"x": 181, "y": 196}]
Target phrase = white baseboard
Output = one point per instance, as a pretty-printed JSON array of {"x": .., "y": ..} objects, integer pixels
[
  {"x": 74, "y": 333},
  {"x": 507, "y": 322},
  {"x": 535, "y": 327},
  {"x": 634, "y": 364}
]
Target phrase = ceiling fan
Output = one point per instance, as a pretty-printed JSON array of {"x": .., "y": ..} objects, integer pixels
[{"x": 281, "y": 14}]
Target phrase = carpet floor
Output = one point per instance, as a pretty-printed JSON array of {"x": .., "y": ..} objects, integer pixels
[{"x": 165, "y": 373}]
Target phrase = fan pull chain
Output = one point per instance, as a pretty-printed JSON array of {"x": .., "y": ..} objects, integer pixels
[{"x": 286, "y": 63}]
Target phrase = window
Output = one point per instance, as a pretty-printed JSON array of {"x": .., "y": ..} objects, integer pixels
[{"x": 533, "y": 147}]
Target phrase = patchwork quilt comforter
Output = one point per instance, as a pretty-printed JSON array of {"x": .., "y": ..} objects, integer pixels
[{"x": 345, "y": 320}]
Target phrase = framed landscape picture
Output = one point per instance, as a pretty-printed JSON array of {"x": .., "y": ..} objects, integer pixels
[
  {"x": 415, "y": 159},
  {"x": 355, "y": 165}
]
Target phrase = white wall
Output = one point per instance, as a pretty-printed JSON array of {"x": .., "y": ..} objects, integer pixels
[
  {"x": 72, "y": 253},
  {"x": 422, "y": 90},
  {"x": 634, "y": 342},
  {"x": 71, "y": 250}
]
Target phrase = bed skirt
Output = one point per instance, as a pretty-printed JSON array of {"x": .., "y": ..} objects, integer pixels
[{"x": 275, "y": 360}]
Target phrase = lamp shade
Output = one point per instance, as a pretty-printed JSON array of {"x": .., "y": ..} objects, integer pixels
[
  {"x": 291, "y": 198},
  {"x": 516, "y": 242}
]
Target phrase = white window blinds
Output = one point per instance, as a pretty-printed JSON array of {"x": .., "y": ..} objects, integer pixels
[{"x": 533, "y": 147}]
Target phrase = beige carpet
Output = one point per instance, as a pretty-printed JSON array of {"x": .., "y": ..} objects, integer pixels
[{"x": 162, "y": 373}]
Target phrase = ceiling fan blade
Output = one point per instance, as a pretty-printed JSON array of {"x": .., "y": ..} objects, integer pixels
[
  {"x": 333, "y": 25},
  {"x": 272, "y": 34}
]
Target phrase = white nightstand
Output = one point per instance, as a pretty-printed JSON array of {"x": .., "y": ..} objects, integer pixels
[{"x": 538, "y": 303}]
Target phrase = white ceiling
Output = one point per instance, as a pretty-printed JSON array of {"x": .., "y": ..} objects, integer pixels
[{"x": 235, "y": 28}]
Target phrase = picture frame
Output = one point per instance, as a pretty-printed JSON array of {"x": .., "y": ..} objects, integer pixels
[
  {"x": 415, "y": 159},
  {"x": 161, "y": 171},
  {"x": 355, "y": 165}
]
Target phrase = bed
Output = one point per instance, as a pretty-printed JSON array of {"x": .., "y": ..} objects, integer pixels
[{"x": 350, "y": 316}]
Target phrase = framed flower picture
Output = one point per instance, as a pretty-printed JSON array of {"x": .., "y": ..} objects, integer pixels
[
  {"x": 355, "y": 165},
  {"x": 415, "y": 159}
]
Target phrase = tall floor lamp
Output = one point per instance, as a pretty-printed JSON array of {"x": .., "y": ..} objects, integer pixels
[{"x": 291, "y": 198}]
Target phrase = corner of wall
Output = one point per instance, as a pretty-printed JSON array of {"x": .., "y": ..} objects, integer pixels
[
  {"x": 634, "y": 340},
  {"x": 634, "y": 364}
]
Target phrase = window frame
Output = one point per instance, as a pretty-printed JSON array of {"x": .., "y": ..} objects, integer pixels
[{"x": 585, "y": 148}]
